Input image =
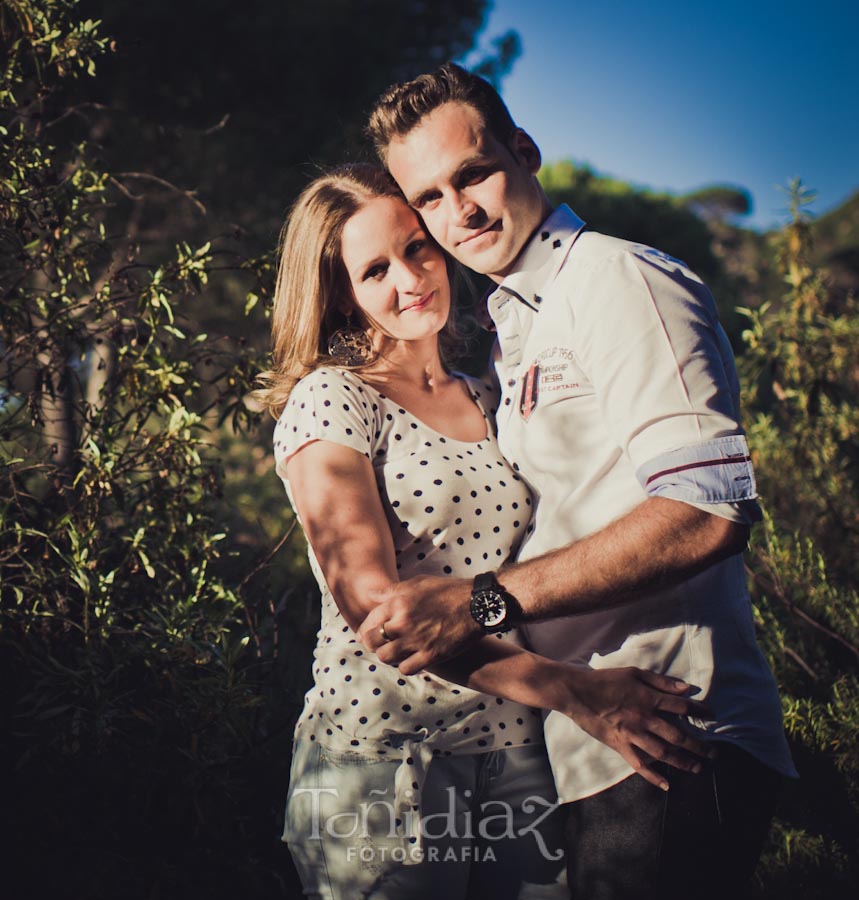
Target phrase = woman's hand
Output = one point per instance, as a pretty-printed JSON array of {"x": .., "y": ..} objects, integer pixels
[
  {"x": 426, "y": 621},
  {"x": 627, "y": 709},
  {"x": 630, "y": 710}
]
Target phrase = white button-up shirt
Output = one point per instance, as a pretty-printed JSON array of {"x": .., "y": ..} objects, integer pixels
[{"x": 618, "y": 383}]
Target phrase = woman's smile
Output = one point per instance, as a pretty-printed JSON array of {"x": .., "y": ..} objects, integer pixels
[{"x": 420, "y": 303}]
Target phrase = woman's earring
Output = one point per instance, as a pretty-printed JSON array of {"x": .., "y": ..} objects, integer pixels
[{"x": 350, "y": 346}]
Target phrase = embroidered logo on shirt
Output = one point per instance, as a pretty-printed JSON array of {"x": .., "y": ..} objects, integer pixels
[
  {"x": 530, "y": 392},
  {"x": 558, "y": 370}
]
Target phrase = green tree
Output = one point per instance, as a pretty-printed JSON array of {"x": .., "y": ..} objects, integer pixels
[
  {"x": 718, "y": 202},
  {"x": 836, "y": 246},
  {"x": 129, "y": 700},
  {"x": 802, "y": 390}
]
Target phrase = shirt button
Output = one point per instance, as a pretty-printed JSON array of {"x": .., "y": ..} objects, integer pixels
[
  {"x": 511, "y": 382},
  {"x": 507, "y": 401}
]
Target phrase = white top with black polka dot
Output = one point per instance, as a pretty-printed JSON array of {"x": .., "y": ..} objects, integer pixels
[{"x": 454, "y": 507}]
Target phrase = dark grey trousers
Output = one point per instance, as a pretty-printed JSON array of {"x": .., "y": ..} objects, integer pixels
[{"x": 701, "y": 839}]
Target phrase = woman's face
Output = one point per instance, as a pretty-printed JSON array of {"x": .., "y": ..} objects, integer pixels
[{"x": 398, "y": 276}]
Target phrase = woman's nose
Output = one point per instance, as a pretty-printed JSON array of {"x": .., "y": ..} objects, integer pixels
[{"x": 409, "y": 276}]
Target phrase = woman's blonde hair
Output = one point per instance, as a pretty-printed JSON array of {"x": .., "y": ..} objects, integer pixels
[{"x": 312, "y": 283}]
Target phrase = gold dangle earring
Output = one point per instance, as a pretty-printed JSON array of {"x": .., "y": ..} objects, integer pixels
[{"x": 350, "y": 346}]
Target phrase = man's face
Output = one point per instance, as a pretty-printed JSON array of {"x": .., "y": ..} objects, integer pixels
[{"x": 479, "y": 198}]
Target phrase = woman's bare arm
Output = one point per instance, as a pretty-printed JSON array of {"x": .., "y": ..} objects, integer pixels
[{"x": 338, "y": 503}]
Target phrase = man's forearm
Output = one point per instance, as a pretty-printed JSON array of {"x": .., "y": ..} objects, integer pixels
[{"x": 658, "y": 544}]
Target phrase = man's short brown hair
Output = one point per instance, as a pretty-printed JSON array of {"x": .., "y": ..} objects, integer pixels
[{"x": 402, "y": 107}]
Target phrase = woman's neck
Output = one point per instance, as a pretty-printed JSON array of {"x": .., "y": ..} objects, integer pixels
[{"x": 410, "y": 366}]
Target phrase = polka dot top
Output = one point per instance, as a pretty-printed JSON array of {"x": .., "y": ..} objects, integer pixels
[{"x": 454, "y": 508}]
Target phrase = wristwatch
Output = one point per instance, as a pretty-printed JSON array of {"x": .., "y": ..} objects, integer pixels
[{"x": 493, "y": 608}]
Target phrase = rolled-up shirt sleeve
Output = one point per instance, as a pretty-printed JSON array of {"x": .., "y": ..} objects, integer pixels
[
  {"x": 664, "y": 375},
  {"x": 716, "y": 471},
  {"x": 716, "y": 476}
]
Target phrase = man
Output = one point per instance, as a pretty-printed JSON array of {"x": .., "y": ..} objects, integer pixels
[{"x": 619, "y": 406}]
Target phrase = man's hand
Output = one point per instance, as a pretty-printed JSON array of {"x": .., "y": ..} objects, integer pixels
[
  {"x": 420, "y": 622},
  {"x": 625, "y": 709}
]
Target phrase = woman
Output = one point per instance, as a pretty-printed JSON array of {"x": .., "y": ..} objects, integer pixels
[{"x": 412, "y": 786}]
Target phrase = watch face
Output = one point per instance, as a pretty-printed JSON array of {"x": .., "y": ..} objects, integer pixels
[{"x": 489, "y": 608}]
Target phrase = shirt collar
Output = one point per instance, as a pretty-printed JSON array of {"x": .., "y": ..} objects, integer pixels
[{"x": 540, "y": 260}]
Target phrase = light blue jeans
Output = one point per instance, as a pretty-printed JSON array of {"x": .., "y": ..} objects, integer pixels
[{"x": 490, "y": 826}]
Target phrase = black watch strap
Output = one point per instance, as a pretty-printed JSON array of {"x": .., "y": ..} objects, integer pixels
[{"x": 486, "y": 582}]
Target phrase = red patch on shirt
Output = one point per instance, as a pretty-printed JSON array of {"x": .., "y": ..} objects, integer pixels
[{"x": 530, "y": 392}]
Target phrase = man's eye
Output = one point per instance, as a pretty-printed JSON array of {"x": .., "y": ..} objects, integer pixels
[
  {"x": 427, "y": 201},
  {"x": 474, "y": 175}
]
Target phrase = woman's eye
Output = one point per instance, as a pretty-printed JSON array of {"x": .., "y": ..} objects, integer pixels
[
  {"x": 375, "y": 272},
  {"x": 415, "y": 247}
]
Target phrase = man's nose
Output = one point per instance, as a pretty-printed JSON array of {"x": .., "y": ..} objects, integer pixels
[{"x": 463, "y": 209}]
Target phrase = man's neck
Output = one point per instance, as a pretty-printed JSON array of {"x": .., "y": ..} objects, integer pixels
[{"x": 498, "y": 277}]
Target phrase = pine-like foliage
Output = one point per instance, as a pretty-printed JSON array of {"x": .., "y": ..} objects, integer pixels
[{"x": 801, "y": 380}]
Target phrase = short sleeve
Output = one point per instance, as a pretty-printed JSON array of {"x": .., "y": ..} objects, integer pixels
[{"x": 326, "y": 405}]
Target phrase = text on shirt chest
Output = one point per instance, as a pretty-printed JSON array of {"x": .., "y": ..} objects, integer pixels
[{"x": 551, "y": 374}]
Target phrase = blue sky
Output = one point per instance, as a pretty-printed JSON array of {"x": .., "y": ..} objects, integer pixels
[{"x": 676, "y": 95}]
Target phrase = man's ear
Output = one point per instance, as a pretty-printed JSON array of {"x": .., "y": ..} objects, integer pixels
[{"x": 526, "y": 151}]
